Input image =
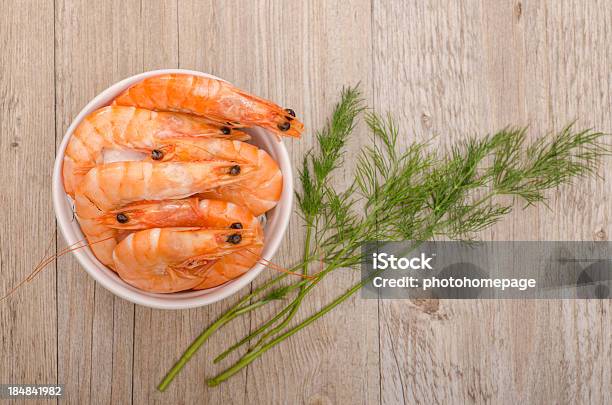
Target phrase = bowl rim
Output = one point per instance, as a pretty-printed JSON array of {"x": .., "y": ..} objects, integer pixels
[{"x": 181, "y": 300}]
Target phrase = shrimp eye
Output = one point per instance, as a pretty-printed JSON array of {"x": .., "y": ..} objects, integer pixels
[
  {"x": 122, "y": 218},
  {"x": 290, "y": 112},
  {"x": 234, "y": 170},
  {"x": 236, "y": 225},
  {"x": 225, "y": 130},
  {"x": 284, "y": 126},
  {"x": 157, "y": 154},
  {"x": 234, "y": 238}
]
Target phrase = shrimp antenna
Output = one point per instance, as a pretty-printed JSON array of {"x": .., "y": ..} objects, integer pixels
[
  {"x": 46, "y": 260},
  {"x": 276, "y": 267}
]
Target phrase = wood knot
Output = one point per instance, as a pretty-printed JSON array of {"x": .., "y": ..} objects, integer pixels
[
  {"x": 601, "y": 235},
  {"x": 518, "y": 10},
  {"x": 429, "y": 306},
  {"x": 426, "y": 120}
]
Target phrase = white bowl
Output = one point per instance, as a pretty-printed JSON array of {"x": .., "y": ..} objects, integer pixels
[{"x": 276, "y": 225}]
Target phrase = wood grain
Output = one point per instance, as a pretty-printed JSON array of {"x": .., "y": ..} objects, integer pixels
[
  {"x": 162, "y": 328},
  {"x": 98, "y": 44},
  {"x": 472, "y": 68},
  {"x": 329, "y": 43},
  {"x": 28, "y": 322},
  {"x": 445, "y": 70}
]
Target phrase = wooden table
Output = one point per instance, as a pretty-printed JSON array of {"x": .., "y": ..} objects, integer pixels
[{"x": 441, "y": 68}]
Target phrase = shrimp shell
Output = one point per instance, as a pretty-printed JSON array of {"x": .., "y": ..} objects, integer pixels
[
  {"x": 107, "y": 187},
  {"x": 211, "y": 98},
  {"x": 166, "y": 260},
  {"x": 119, "y": 127},
  {"x": 259, "y": 192},
  {"x": 202, "y": 213}
]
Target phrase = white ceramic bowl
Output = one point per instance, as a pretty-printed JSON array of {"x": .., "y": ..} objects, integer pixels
[{"x": 276, "y": 225}]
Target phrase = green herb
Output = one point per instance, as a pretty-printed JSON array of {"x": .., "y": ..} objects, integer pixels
[{"x": 400, "y": 194}]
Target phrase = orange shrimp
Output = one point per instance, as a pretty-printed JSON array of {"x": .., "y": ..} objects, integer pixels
[
  {"x": 166, "y": 260},
  {"x": 201, "y": 213},
  {"x": 110, "y": 186},
  {"x": 259, "y": 192},
  {"x": 210, "y": 98},
  {"x": 129, "y": 128}
]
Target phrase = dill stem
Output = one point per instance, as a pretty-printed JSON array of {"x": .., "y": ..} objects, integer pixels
[
  {"x": 238, "y": 309},
  {"x": 195, "y": 346},
  {"x": 253, "y": 334},
  {"x": 251, "y": 356},
  {"x": 307, "y": 258},
  {"x": 294, "y": 306},
  {"x": 304, "y": 290},
  {"x": 306, "y": 250},
  {"x": 291, "y": 308}
]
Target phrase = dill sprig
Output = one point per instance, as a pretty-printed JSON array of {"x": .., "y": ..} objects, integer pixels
[
  {"x": 331, "y": 140},
  {"x": 410, "y": 193}
]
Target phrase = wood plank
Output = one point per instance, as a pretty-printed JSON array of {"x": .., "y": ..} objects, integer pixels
[
  {"x": 28, "y": 318},
  {"x": 427, "y": 73},
  {"x": 173, "y": 331},
  {"x": 97, "y": 45},
  {"x": 568, "y": 78},
  {"x": 470, "y": 68},
  {"x": 322, "y": 47},
  {"x": 159, "y": 334}
]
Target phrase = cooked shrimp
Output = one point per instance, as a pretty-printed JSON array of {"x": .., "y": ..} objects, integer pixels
[
  {"x": 230, "y": 267},
  {"x": 210, "y": 98},
  {"x": 166, "y": 260},
  {"x": 129, "y": 128},
  {"x": 107, "y": 187},
  {"x": 201, "y": 213},
  {"x": 259, "y": 192},
  {"x": 186, "y": 212}
]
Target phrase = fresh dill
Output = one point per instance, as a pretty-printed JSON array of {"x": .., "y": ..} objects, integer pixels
[{"x": 410, "y": 193}]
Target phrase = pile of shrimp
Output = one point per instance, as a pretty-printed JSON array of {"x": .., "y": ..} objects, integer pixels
[{"x": 166, "y": 188}]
